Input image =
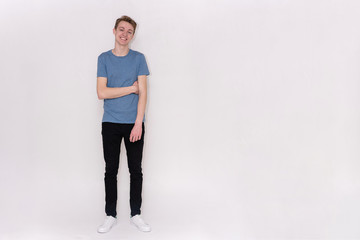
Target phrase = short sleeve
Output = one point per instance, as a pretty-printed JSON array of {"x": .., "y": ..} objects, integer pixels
[
  {"x": 101, "y": 68},
  {"x": 143, "y": 68}
]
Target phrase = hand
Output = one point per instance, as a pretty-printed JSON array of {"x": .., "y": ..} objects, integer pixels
[
  {"x": 136, "y": 87},
  {"x": 136, "y": 132}
]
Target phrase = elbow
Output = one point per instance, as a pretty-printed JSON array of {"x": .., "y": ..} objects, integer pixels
[{"x": 100, "y": 95}]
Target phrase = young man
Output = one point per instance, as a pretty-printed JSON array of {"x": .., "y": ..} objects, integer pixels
[{"x": 121, "y": 82}]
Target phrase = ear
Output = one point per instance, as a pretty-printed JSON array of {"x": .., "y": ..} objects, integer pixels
[{"x": 114, "y": 31}]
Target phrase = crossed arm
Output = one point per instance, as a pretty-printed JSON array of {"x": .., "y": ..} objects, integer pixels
[{"x": 139, "y": 87}]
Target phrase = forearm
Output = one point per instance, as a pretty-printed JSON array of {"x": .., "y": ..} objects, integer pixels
[
  {"x": 116, "y": 92},
  {"x": 141, "y": 107}
]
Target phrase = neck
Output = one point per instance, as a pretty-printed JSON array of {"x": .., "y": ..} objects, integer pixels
[{"x": 120, "y": 50}]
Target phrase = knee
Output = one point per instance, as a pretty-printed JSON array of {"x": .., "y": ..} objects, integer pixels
[
  {"x": 136, "y": 175},
  {"x": 111, "y": 172}
]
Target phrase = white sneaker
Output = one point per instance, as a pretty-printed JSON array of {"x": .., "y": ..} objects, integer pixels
[
  {"x": 107, "y": 225},
  {"x": 140, "y": 223}
]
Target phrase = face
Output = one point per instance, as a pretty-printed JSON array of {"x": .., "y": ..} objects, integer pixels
[{"x": 124, "y": 33}]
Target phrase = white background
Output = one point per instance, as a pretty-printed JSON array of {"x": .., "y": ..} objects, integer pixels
[{"x": 252, "y": 128}]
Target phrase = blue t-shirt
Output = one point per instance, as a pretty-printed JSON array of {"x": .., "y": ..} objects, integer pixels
[{"x": 121, "y": 72}]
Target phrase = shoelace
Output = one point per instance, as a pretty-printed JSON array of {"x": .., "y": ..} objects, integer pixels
[
  {"x": 107, "y": 221},
  {"x": 140, "y": 220}
]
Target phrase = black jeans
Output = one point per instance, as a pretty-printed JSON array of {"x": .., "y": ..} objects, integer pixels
[{"x": 112, "y": 134}]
